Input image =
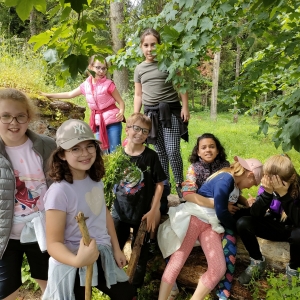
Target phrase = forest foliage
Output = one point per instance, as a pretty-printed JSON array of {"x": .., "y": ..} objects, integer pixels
[{"x": 266, "y": 30}]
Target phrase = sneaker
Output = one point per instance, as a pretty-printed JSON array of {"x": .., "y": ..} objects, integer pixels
[
  {"x": 254, "y": 270},
  {"x": 291, "y": 273},
  {"x": 173, "y": 294},
  {"x": 179, "y": 193}
]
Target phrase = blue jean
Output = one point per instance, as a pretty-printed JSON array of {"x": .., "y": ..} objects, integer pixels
[{"x": 114, "y": 132}]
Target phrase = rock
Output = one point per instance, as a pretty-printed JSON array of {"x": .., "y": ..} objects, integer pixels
[{"x": 52, "y": 113}]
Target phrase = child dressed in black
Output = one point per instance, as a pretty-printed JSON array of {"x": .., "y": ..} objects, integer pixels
[{"x": 138, "y": 199}]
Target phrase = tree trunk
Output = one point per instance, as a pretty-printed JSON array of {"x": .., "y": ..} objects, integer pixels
[
  {"x": 192, "y": 95},
  {"x": 237, "y": 74},
  {"x": 120, "y": 77},
  {"x": 215, "y": 82},
  {"x": 32, "y": 22}
]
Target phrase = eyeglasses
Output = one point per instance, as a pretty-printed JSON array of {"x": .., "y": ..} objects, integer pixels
[
  {"x": 103, "y": 69},
  {"x": 78, "y": 151},
  {"x": 138, "y": 129},
  {"x": 7, "y": 119}
]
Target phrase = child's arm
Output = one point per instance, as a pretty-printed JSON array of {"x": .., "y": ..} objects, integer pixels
[
  {"x": 118, "y": 254},
  {"x": 185, "y": 114},
  {"x": 137, "y": 102},
  {"x": 65, "y": 95},
  {"x": 55, "y": 229},
  {"x": 200, "y": 200},
  {"x": 288, "y": 203},
  {"x": 119, "y": 100},
  {"x": 150, "y": 215},
  {"x": 263, "y": 201}
]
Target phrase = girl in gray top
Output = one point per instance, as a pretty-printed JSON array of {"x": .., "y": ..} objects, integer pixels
[
  {"x": 162, "y": 104},
  {"x": 23, "y": 157}
]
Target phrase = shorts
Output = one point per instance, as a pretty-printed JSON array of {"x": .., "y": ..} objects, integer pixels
[{"x": 11, "y": 263}]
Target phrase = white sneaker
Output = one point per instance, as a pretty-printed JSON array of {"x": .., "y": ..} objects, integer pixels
[{"x": 173, "y": 294}]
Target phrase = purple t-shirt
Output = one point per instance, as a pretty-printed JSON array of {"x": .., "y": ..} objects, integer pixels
[
  {"x": 83, "y": 195},
  {"x": 275, "y": 204}
]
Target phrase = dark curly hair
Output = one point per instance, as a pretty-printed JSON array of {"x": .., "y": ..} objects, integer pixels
[
  {"x": 59, "y": 169},
  {"x": 221, "y": 155}
]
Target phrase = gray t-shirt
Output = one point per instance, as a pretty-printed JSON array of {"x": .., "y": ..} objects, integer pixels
[
  {"x": 155, "y": 89},
  {"x": 83, "y": 195}
]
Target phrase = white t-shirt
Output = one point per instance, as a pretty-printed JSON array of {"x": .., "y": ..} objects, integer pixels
[
  {"x": 30, "y": 183},
  {"x": 83, "y": 195}
]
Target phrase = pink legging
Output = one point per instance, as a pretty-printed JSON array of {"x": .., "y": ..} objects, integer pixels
[{"x": 211, "y": 245}]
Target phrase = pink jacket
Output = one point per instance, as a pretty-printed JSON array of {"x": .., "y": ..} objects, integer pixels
[{"x": 98, "y": 97}]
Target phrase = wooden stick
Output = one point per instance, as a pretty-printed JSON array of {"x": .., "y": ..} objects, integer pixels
[
  {"x": 80, "y": 218},
  {"x": 136, "y": 251}
]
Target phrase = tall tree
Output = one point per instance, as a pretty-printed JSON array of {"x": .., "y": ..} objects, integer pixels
[
  {"x": 215, "y": 82},
  {"x": 116, "y": 20}
]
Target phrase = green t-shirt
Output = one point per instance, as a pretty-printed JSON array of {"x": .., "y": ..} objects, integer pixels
[{"x": 155, "y": 89}]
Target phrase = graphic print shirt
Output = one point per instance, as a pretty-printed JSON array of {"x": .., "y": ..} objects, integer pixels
[{"x": 30, "y": 182}]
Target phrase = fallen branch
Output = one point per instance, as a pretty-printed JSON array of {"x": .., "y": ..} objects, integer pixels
[
  {"x": 136, "y": 251},
  {"x": 80, "y": 218}
]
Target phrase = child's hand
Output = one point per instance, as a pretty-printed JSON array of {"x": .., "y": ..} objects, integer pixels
[
  {"x": 250, "y": 200},
  {"x": 232, "y": 208},
  {"x": 44, "y": 94},
  {"x": 280, "y": 187},
  {"x": 120, "y": 116},
  {"x": 87, "y": 255},
  {"x": 150, "y": 218},
  {"x": 185, "y": 115},
  {"x": 267, "y": 184},
  {"x": 120, "y": 258}
]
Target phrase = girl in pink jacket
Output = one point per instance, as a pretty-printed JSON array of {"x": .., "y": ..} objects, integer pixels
[{"x": 101, "y": 96}]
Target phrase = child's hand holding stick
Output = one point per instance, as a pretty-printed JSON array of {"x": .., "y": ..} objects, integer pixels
[
  {"x": 80, "y": 218},
  {"x": 136, "y": 251}
]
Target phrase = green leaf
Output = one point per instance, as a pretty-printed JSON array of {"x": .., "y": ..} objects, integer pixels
[
  {"x": 206, "y": 24},
  {"x": 52, "y": 12},
  {"x": 293, "y": 127},
  {"x": 189, "y": 3},
  {"x": 169, "y": 34},
  {"x": 179, "y": 27},
  {"x": 171, "y": 15},
  {"x": 76, "y": 64},
  {"x": 50, "y": 56},
  {"x": 41, "y": 39},
  {"x": 188, "y": 56},
  {"x": 11, "y": 2},
  {"x": 40, "y": 5},
  {"x": 65, "y": 13},
  {"x": 181, "y": 3},
  {"x": 225, "y": 7},
  {"x": 23, "y": 9},
  {"x": 77, "y": 5},
  {"x": 192, "y": 23}
]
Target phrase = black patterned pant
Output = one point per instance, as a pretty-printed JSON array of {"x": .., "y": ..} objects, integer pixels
[{"x": 168, "y": 149}]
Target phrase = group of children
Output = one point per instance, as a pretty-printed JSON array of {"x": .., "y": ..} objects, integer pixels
[{"x": 46, "y": 183}]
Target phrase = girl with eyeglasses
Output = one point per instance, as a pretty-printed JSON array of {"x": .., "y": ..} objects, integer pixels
[
  {"x": 77, "y": 167},
  {"x": 101, "y": 96},
  {"x": 162, "y": 104},
  {"x": 23, "y": 165}
]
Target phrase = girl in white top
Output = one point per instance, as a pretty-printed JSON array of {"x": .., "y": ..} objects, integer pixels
[{"x": 76, "y": 168}]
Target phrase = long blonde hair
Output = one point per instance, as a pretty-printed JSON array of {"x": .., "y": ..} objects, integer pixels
[
  {"x": 282, "y": 166},
  {"x": 235, "y": 169}
]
